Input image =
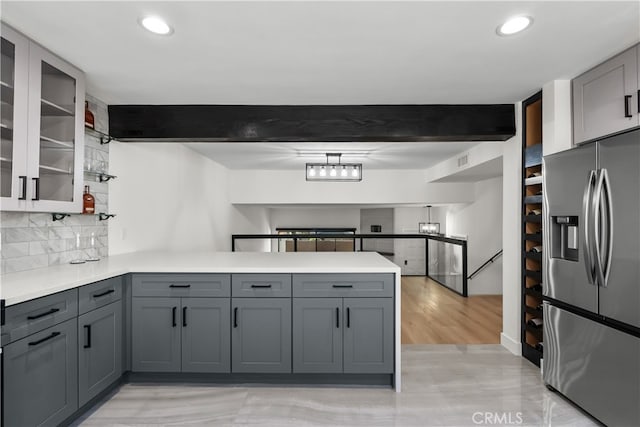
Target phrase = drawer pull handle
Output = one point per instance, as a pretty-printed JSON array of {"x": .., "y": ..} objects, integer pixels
[
  {"x": 37, "y": 316},
  {"x": 261, "y": 286},
  {"x": 235, "y": 317},
  {"x": 173, "y": 316},
  {"x": 627, "y": 112},
  {"x": 184, "y": 317},
  {"x": 179, "y": 286},
  {"x": 348, "y": 317},
  {"x": 88, "y": 329},
  {"x": 337, "y": 317},
  {"x": 343, "y": 286},
  {"x": 53, "y": 335},
  {"x": 110, "y": 291}
]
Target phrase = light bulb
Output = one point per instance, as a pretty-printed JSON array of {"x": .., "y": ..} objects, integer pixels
[
  {"x": 333, "y": 171},
  {"x": 343, "y": 172},
  {"x": 312, "y": 171},
  {"x": 514, "y": 25},
  {"x": 156, "y": 25},
  {"x": 354, "y": 172},
  {"x": 323, "y": 171}
]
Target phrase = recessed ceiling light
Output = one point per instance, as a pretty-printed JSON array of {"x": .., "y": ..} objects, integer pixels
[
  {"x": 514, "y": 25},
  {"x": 156, "y": 25}
]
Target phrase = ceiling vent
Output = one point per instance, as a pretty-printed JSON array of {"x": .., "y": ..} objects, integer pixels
[{"x": 463, "y": 160}]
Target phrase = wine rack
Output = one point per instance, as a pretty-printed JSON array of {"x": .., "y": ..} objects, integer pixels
[{"x": 532, "y": 274}]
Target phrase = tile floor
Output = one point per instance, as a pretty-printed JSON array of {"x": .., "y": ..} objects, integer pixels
[{"x": 444, "y": 385}]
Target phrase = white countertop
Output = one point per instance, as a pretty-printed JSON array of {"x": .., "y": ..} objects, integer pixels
[{"x": 23, "y": 286}]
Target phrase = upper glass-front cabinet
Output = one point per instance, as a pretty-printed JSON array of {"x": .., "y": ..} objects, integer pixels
[{"x": 43, "y": 149}]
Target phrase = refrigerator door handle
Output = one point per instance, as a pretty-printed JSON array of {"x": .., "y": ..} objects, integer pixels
[
  {"x": 586, "y": 227},
  {"x": 604, "y": 245}
]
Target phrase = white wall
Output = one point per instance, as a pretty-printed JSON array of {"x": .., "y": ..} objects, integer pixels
[
  {"x": 168, "y": 197},
  {"x": 556, "y": 117},
  {"x": 476, "y": 156},
  {"x": 321, "y": 216},
  {"x": 511, "y": 238},
  {"x": 270, "y": 187},
  {"x": 481, "y": 222}
]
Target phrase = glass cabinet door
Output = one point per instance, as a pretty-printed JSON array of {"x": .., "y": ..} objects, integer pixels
[
  {"x": 13, "y": 119},
  {"x": 57, "y": 134}
]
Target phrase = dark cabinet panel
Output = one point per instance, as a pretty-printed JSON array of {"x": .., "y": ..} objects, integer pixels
[
  {"x": 99, "y": 350},
  {"x": 317, "y": 335},
  {"x": 156, "y": 335},
  {"x": 41, "y": 377},
  {"x": 261, "y": 335},
  {"x": 206, "y": 332}
]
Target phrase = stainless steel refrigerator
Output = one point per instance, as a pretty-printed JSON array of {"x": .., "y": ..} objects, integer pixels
[{"x": 592, "y": 277}]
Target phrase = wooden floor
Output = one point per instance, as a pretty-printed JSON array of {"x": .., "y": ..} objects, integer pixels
[{"x": 432, "y": 314}]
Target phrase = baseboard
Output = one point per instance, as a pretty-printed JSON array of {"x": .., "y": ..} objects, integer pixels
[{"x": 510, "y": 344}]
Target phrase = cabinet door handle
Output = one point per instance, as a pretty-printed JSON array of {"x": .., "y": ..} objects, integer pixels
[
  {"x": 37, "y": 188},
  {"x": 88, "y": 329},
  {"x": 260, "y": 286},
  {"x": 343, "y": 286},
  {"x": 23, "y": 180},
  {"x": 110, "y": 291},
  {"x": 627, "y": 112},
  {"x": 184, "y": 317},
  {"x": 337, "y": 317},
  {"x": 179, "y": 286},
  {"x": 348, "y": 317},
  {"x": 235, "y": 317},
  {"x": 46, "y": 313},
  {"x": 173, "y": 316},
  {"x": 53, "y": 335}
]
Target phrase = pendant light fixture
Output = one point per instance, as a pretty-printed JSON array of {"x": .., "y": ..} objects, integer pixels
[
  {"x": 429, "y": 227},
  {"x": 333, "y": 170}
]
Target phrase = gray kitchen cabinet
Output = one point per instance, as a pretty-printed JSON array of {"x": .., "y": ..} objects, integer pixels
[
  {"x": 155, "y": 335},
  {"x": 99, "y": 350},
  {"x": 317, "y": 335},
  {"x": 343, "y": 335},
  {"x": 41, "y": 377},
  {"x": 605, "y": 98},
  {"x": 261, "y": 335},
  {"x": 206, "y": 331},
  {"x": 368, "y": 335}
]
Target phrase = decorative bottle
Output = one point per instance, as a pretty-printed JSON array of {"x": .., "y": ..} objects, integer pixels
[
  {"x": 89, "y": 120},
  {"x": 88, "y": 202}
]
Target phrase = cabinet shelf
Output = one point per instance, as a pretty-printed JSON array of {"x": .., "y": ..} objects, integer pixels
[
  {"x": 6, "y": 93},
  {"x": 533, "y": 293},
  {"x": 5, "y": 160},
  {"x": 102, "y": 216},
  {"x": 55, "y": 170},
  {"x": 105, "y": 138},
  {"x": 537, "y": 275},
  {"x": 533, "y": 311},
  {"x": 536, "y": 219},
  {"x": 5, "y": 85},
  {"x": 46, "y": 142},
  {"x": 51, "y": 109},
  {"x": 536, "y": 256},
  {"x": 102, "y": 177},
  {"x": 533, "y": 237}
]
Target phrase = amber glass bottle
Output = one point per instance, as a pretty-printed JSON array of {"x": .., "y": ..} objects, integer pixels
[
  {"x": 88, "y": 202},
  {"x": 89, "y": 120}
]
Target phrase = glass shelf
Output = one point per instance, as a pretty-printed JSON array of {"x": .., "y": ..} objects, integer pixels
[
  {"x": 46, "y": 142},
  {"x": 105, "y": 138},
  {"x": 59, "y": 216},
  {"x": 102, "y": 176},
  {"x": 55, "y": 170},
  {"x": 51, "y": 109}
]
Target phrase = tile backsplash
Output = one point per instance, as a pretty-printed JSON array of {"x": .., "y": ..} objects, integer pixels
[{"x": 35, "y": 240}]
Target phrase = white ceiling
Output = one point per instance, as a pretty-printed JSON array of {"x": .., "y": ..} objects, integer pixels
[
  {"x": 415, "y": 155},
  {"x": 326, "y": 52}
]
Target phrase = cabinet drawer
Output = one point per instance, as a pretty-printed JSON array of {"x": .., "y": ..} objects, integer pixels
[
  {"x": 261, "y": 285},
  {"x": 33, "y": 316},
  {"x": 99, "y": 294},
  {"x": 343, "y": 285},
  {"x": 181, "y": 285}
]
